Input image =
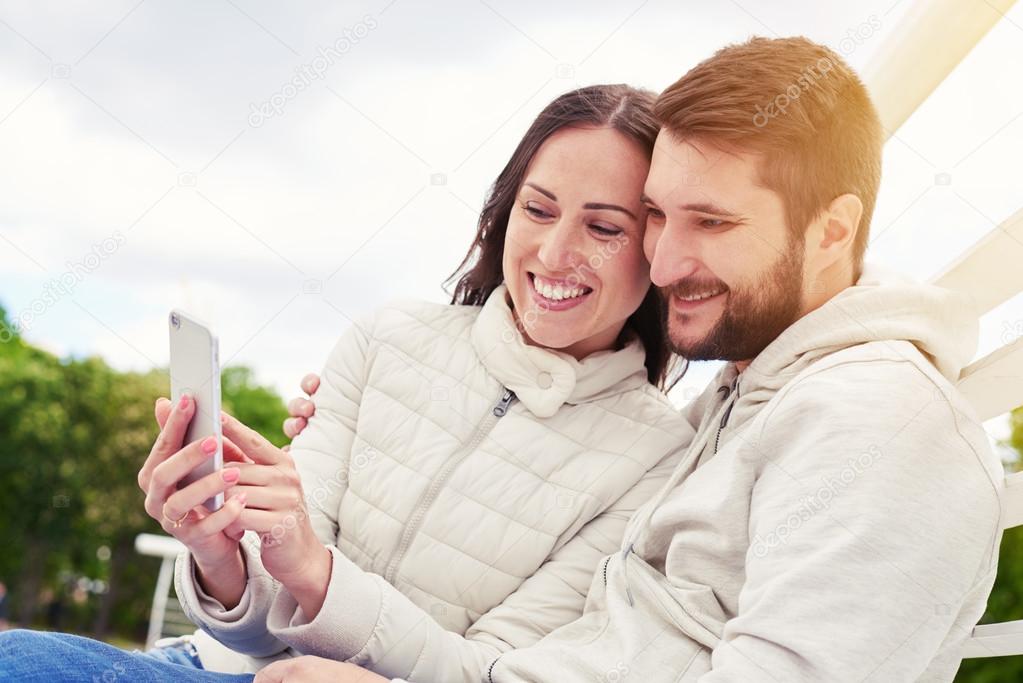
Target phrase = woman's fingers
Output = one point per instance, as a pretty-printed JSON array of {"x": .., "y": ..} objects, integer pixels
[
  {"x": 232, "y": 453},
  {"x": 268, "y": 498},
  {"x": 293, "y": 426},
  {"x": 251, "y": 442},
  {"x": 165, "y": 476},
  {"x": 214, "y": 522},
  {"x": 196, "y": 493},
  {"x": 310, "y": 383},
  {"x": 169, "y": 441},
  {"x": 162, "y": 410},
  {"x": 274, "y": 522}
]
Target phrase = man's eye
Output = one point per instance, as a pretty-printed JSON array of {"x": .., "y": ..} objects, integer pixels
[
  {"x": 712, "y": 223},
  {"x": 656, "y": 214}
]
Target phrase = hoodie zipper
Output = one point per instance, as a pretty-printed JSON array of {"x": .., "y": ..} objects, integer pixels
[
  {"x": 499, "y": 410},
  {"x": 733, "y": 392}
]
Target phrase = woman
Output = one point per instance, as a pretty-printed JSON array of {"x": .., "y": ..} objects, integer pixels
[{"x": 469, "y": 464}]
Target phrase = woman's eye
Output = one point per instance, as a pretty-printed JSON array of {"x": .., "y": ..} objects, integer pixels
[
  {"x": 655, "y": 214},
  {"x": 536, "y": 211},
  {"x": 712, "y": 223},
  {"x": 604, "y": 230}
]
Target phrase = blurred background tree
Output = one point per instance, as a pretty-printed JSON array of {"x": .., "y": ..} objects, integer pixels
[{"x": 75, "y": 433}]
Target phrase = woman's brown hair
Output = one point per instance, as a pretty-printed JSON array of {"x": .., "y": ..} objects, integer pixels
[{"x": 627, "y": 110}]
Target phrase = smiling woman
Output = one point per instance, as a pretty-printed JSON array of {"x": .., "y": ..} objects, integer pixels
[
  {"x": 574, "y": 268},
  {"x": 565, "y": 205}
]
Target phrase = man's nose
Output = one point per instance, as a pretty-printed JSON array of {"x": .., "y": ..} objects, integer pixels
[{"x": 673, "y": 257}]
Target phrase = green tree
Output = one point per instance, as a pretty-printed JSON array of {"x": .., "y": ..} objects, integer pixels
[
  {"x": 257, "y": 406},
  {"x": 73, "y": 434}
]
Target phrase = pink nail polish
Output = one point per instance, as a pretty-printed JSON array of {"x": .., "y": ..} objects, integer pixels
[
  {"x": 230, "y": 474},
  {"x": 209, "y": 445},
  {"x": 241, "y": 497},
  {"x": 183, "y": 401}
]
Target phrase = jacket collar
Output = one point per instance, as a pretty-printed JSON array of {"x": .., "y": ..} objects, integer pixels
[{"x": 544, "y": 379}]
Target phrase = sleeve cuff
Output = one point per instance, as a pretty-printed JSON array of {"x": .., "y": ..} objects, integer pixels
[
  {"x": 208, "y": 612},
  {"x": 345, "y": 623}
]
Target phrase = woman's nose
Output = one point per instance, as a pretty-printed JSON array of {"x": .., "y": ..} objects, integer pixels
[{"x": 559, "y": 248}]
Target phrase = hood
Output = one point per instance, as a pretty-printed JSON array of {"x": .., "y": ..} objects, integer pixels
[
  {"x": 881, "y": 306},
  {"x": 544, "y": 379}
]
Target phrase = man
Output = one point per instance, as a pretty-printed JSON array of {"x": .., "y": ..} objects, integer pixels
[{"x": 837, "y": 516}]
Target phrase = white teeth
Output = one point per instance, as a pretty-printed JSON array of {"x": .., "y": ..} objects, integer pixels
[
  {"x": 556, "y": 292},
  {"x": 699, "y": 297}
]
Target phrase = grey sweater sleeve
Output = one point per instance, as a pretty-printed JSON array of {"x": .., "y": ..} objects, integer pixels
[{"x": 243, "y": 627}]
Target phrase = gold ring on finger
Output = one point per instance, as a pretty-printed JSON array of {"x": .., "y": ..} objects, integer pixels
[{"x": 175, "y": 523}]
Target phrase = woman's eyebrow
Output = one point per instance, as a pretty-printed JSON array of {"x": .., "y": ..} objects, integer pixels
[
  {"x": 611, "y": 207},
  {"x": 588, "y": 205},
  {"x": 547, "y": 193}
]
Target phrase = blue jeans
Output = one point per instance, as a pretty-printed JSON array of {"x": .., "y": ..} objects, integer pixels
[{"x": 43, "y": 657}]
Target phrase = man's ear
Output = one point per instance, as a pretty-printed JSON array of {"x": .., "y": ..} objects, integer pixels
[
  {"x": 842, "y": 222},
  {"x": 832, "y": 235}
]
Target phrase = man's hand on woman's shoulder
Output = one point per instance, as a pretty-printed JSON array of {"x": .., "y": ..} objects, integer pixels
[{"x": 301, "y": 409}]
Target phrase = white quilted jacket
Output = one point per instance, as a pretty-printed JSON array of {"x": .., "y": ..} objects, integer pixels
[{"x": 467, "y": 484}]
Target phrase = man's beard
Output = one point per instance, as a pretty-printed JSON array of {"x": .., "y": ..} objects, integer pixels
[{"x": 754, "y": 315}]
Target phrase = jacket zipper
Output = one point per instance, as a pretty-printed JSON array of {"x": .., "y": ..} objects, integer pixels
[
  {"x": 499, "y": 410},
  {"x": 728, "y": 411}
]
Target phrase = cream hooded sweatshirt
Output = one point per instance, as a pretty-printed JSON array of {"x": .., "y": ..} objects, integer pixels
[
  {"x": 466, "y": 483},
  {"x": 835, "y": 519}
]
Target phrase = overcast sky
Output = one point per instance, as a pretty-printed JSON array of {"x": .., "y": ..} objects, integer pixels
[{"x": 142, "y": 166}]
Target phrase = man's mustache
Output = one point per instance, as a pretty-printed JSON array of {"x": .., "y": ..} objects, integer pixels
[{"x": 692, "y": 286}]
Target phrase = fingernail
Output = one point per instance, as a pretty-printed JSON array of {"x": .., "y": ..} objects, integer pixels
[
  {"x": 223, "y": 419},
  {"x": 241, "y": 498},
  {"x": 230, "y": 474},
  {"x": 209, "y": 445},
  {"x": 183, "y": 401}
]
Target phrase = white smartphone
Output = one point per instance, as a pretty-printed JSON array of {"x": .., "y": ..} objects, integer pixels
[{"x": 195, "y": 370}]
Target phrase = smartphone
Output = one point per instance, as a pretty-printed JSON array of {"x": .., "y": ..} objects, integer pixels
[{"x": 195, "y": 370}]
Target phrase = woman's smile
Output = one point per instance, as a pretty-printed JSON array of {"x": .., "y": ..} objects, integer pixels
[{"x": 557, "y": 294}]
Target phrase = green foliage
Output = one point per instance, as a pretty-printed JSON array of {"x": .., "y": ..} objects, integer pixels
[
  {"x": 258, "y": 407},
  {"x": 74, "y": 434}
]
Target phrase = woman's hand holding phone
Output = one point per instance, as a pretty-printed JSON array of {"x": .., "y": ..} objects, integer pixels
[
  {"x": 275, "y": 509},
  {"x": 181, "y": 512},
  {"x": 263, "y": 493}
]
